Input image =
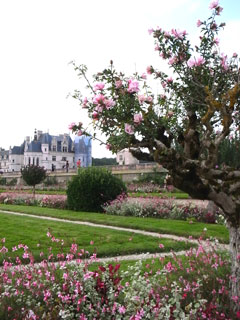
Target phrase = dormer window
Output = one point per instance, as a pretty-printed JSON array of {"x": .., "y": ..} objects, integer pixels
[
  {"x": 54, "y": 148},
  {"x": 64, "y": 149}
]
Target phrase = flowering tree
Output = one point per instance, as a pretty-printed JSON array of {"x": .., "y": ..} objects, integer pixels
[{"x": 182, "y": 128}]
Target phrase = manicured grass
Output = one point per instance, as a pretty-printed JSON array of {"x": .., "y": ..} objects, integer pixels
[
  {"x": 175, "y": 195},
  {"x": 31, "y": 232},
  {"x": 162, "y": 226}
]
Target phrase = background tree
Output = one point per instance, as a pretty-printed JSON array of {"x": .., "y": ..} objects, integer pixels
[
  {"x": 183, "y": 127},
  {"x": 33, "y": 175}
]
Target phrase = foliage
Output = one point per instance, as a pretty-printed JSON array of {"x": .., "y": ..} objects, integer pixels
[
  {"x": 229, "y": 152},
  {"x": 190, "y": 287},
  {"x": 33, "y": 175},
  {"x": 3, "y": 181},
  {"x": 50, "y": 181},
  {"x": 154, "y": 178},
  {"x": 93, "y": 187},
  {"x": 104, "y": 161}
]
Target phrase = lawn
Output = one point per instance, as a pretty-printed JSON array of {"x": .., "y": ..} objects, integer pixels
[
  {"x": 162, "y": 226},
  {"x": 105, "y": 242}
]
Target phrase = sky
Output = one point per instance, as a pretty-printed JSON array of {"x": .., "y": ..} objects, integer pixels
[{"x": 39, "y": 39}]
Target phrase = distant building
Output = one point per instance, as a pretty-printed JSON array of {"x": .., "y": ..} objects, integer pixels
[
  {"x": 83, "y": 150},
  {"x": 47, "y": 151},
  {"x": 124, "y": 157},
  {"x": 4, "y": 160}
]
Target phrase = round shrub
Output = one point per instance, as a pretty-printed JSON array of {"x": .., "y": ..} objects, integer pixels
[{"x": 92, "y": 188}]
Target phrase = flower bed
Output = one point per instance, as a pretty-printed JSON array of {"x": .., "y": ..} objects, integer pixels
[
  {"x": 161, "y": 209},
  {"x": 190, "y": 287}
]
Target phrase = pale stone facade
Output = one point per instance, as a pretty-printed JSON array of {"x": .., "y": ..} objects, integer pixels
[{"x": 124, "y": 157}]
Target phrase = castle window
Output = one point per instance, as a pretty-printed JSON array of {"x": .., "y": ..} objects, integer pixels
[
  {"x": 64, "y": 149},
  {"x": 53, "y": 158},
  {"x": 13, "y": 160},
  {"x": 54, "y": 148},
  {"x": 37, "y": 161},
  {"x": 64, "y": 158},
  {"x": 33, "y": 161},
  {"x": 29, "y": 161}
]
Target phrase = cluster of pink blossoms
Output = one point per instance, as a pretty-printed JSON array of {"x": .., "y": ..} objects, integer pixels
[{"x": 195, "y": 62}]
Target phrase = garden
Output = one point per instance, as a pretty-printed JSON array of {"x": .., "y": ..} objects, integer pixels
[{"x": 104, "y": 250}]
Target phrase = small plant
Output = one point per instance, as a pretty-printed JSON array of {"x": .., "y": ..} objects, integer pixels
[
  {"x": 50, "y": 181},
  {"x": 92, "y": 188},
  {"x": 33, "y": 175}
]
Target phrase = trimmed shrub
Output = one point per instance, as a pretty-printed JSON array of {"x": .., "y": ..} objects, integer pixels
[{"x": 92, "y": 188}]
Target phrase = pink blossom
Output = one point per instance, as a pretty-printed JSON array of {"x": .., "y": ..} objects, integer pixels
[
  {"x": 170, "y": 79},
  {"x": 99, "y": 99},
  {"x": 178, "y": 34},
  {"x": 73, "y": 124},
  {"x": 216, "y": 40},
  {"x": 161, "y": 246},
  {"x": 129, "y": 128},
  {"x": 199, "y": 23},
  {"x": 173, "y": 60},
  {"x": 109, "y": 103},
  {"x": 118, "y": 84},
  {"x": 157, "y": 48},
  {"x": 149, "y": 99},
  {"x": 200, "y": 60},
  {"x": 224, "y": 62},
  {"x": 166, "y": 34},
  {"x": 150, "y": 31},
  {"x": 91, "y": 242},
  {"x": 150, "y": 70},
  {"x": 144, "y": 76},
  {"x": 85, "y": 101},
  {"x": 235, "y": 55},
  {"x": 138, "y": 118},
  {"x": 108, "y": 146},
  {"x": 99, "y": 86},
  {"x": 122, "y": 309},
  {"x": 95, "y": 115},
  {"x": 141, "y": 98},
  {"x": 133, "y": 86},
  {"x": 214, "y": 4}
]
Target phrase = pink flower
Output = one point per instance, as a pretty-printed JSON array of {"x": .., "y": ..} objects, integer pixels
[
  {"x": 214, "y": 4},
  {"x": 129, "y": 128},
  {"x": 141, "y": 98},
  {"x": 191, "y": 62},
  {"x": 150, "y": 31},
  {"x": 99, "y": 86},
  {"x": 99, "y": 99},
  {"x": 95, "y": 115},
  {"x": 161, "y": 246},
  {"x": 173, "y": 60},
  {"x": 216, "y": 40},
  {"x": 73, "y": 124},
  {"x": 118, "y": 84},
  {"x": 138, "y": 118},
  {"x": 150, "y": 70},
  {"x": 122, "y": 310},
  {"x": 170, "y": 79},
  {"x": 224, "y": 62},
  {"x": 200, "y": 60},
  {"x": 144, "y": 76},
  {"x": 235, "y": 55},
  {"x": 199, "y": 23},
  {"x": 108, "y": 146},
  {"x": 149, "y": 99},
  {"x": 178, "y": 34},
  {"x": 85, "y": 101},
  {"x": 91, "y": 242},
  {"x": 133, "y": 86},
  {"x": 109, "y": 103}
]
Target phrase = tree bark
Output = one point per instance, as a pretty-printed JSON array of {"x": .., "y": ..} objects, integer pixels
[{"x": 234, "y": 247}]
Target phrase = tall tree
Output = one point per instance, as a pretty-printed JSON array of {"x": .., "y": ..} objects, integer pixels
[
  {"x": 183, "y": 127},
  {"x": 33, "y": 175}
]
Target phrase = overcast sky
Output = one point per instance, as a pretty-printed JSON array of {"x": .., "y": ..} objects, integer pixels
[{"x": 40, "y": 37}]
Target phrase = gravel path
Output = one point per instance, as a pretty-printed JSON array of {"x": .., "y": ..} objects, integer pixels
[{"x": 205, "y": 244}]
